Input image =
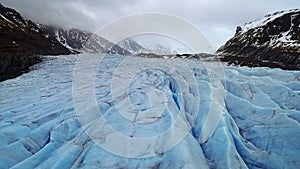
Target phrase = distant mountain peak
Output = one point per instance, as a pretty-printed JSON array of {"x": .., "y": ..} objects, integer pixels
[
  {"x": 80, "y": 41},
  {"x": 135, "y": 47},
  {"x": 131, "y": 45}
]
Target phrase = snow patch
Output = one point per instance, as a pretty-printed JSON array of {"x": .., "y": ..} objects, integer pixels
[
  {"x": 263, "y": 21},
  {"x": 7, "y": 19}
]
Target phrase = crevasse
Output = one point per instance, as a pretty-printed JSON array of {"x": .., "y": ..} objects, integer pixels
[{"x": 246, "y": 118}]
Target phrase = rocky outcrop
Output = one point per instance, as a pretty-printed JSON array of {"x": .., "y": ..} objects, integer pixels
[{"x": 272, "y": 41}]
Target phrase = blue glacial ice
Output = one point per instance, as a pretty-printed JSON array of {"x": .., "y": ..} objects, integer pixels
[{"x": 150, "y": 113}]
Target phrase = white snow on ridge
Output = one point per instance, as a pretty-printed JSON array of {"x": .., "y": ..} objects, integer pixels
[
  {"x": 263, "y": 21},
  {"x": 255, "y": 125},
  {"x": 6, "y": 19},
  {"x": 284, "y": 40},
  {"x": 63, "y": 41}
]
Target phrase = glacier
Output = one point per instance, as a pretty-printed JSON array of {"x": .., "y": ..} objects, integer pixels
[{"x": 211, "y": 115}]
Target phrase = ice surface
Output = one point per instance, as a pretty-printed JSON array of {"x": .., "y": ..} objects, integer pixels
[{"x": 240, "y": 117}]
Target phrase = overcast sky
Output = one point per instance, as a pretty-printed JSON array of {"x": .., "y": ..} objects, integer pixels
[{"x": 217, "y": 19}]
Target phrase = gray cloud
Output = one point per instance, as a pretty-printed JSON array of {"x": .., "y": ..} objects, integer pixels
[{"x": 215, "y": 18}]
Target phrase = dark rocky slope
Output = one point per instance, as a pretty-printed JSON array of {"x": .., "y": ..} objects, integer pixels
[
  {"x": 21, "y": 42},
  {"x": 79, "y": 41},
  {"x": 273, "y": 41}
]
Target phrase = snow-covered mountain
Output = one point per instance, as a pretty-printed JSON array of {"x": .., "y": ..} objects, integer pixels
[
  {"x": 245, "y": 118},
  {"x": 23, "y": 35},
  {"x": 20, "y": 41},
  {"x": 272, "y": 41},
  {"x": 80, "y": 41},
  {"x": 158, "y": 49},
  {"x": 134, "y": 47},
  {"x": 131, "y": 45}
]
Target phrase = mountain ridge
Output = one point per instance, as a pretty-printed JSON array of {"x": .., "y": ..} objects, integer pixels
[
  {"x": 21, "y": 43},
  {"x": 272, "y": 41},
  {"x": 81, "y": 41}
]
